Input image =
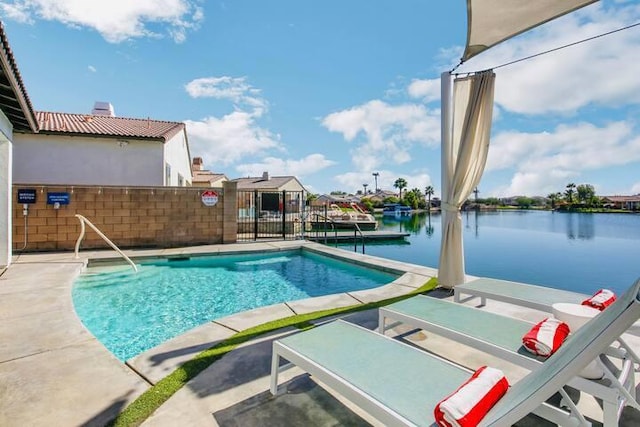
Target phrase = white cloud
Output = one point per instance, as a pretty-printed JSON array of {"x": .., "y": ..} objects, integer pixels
[
  {"x": 596, "y": 72},
  {"x": 635, "y": 188},
  {"x": 115, "y": 20},
  {"x": 389, "y": 131},
  {"x": 16, "y": 11},
  {"x": 544, "y": 162},
  {"x": 427, "y": 90},
  {"x": 280, "y": 167},
  {"x": 92, "y": 68},
  {"x": 228, "y": 139},
  {"x": 235, "y": 89}
]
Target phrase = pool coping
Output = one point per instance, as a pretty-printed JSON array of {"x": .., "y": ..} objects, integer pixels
[
  {"x": 52, "y": 364},
  {"x": 159, "y": 361}
]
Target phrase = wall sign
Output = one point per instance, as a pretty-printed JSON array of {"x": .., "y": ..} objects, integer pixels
[
  {"x": 209, "y": 198},
  {"x": 59, "y": 198},
  {"x": 26, "y": 195}
]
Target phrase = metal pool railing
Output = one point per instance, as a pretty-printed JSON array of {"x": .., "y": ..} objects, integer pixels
[
  {"x": 84, "y": 220},
  {"x": 320, "y": 219}
]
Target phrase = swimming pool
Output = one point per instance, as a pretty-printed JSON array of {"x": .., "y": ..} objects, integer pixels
[{"x": 133, "y": 312}]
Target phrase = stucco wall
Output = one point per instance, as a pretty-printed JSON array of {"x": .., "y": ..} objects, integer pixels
[
  {"x": 130, "y": 217},
  {"x": 80, "y": 160},
  {"x": 292, "y": 185},
  {"x": 6, "y": 135},
  {"x": 5, "y": 201},
  {"x": 177, "y": 155}
]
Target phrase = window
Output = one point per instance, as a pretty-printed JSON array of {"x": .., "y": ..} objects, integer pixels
[
  {"x": 180, "y": 181},
  {"x": 167, "y": 174}
]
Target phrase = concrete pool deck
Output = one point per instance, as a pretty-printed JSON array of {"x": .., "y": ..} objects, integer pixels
[{"x": 54, "y": 372}]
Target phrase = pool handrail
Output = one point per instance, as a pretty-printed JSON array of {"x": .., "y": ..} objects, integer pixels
[
  {"x": 84, "y": 220},
  {"x": 331, "y": 222}
]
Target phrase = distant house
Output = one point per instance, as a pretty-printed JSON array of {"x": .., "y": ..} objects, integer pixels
[
  {"x": 16, "y": 115},
  {"x": 205, "y": 178},
  {"x": 102, "y": 149},
  {"x": 270, "y": 194},
  {"x": 623, "y": 202},
  {"x": 267, "y": 183},
  {"x": 381, "y": 195},
  {"x": 327, "y": 199}
]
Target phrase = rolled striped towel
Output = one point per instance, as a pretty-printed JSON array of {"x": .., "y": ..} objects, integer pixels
[
  {"x": 546, "y": 337},
  {"x": 466, "y": 406},
  {"x": 601, "y": 299}
]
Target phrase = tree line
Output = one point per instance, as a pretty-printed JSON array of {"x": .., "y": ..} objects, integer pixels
[{"x": 573, "y": 197}]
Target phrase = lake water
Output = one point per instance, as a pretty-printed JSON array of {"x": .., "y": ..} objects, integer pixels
[{"x": 574, "y": 251}]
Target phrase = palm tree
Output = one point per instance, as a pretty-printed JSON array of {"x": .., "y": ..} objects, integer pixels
[
  {"x": 428, "y": 191},
  {"x": 375, "y": 176},
  {"x": 554, "y": 197},
  {"x": 569, "y": 191},
  {"x": 400, "y": 183}
]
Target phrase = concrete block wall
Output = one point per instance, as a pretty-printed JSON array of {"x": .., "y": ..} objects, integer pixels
[{"x": 158, "y": 217}]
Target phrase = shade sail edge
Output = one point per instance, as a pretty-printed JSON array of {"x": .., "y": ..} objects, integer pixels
[{"x": 513, "y": 19}]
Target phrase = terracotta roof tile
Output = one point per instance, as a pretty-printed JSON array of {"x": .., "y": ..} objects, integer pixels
[
  {"x": 623, "y": 199},
  {"x": 87, "y": 124}
]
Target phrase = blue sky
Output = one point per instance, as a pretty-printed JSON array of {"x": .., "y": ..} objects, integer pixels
[{"x": 333, "y": 91}]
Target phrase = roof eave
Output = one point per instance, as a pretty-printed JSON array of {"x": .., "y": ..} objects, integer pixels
[
  {"x": 99, "y": 135},
  {"x": 16, "y": 82}
]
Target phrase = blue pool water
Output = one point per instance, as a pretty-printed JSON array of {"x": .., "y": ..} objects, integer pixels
[{"x": 133, "y": 312}]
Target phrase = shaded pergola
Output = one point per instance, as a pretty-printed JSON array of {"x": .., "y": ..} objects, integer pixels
[{"x": 467, "y": 106}]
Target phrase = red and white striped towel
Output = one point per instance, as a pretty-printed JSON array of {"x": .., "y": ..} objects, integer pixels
[
  {"x": 601, "y": 299},
  {"x": 546, "y": 337},
  {"x": 466, "y": 406}
]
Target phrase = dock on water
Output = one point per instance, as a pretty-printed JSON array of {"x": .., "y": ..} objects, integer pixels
[{"x": 350, "y": 235}]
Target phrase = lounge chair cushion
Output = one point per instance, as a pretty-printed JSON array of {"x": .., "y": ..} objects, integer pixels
[
  {"x": 601, "y": 299},
  {"x": 546, "y": 337},
  {"x": 472, "y": 400}
]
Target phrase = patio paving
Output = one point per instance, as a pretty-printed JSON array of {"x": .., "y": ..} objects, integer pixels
[{"x": 54, "y": 372}]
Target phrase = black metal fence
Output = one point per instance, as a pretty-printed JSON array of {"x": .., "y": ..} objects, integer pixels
[{"x": 270, "y": 215}]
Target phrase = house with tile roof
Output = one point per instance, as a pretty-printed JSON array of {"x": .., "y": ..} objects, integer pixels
[
  {"x": 623, "y": 202},
  {"x": 269, "y": 183},
  {"x": 205, "y": 178},
  {"x": 16, "y": 115},
  {"x": 268, "y": 191},
  {"x": 102, "y": 149}
]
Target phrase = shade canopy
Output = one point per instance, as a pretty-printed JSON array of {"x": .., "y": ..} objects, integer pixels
[{"x": 493, "y": 21}]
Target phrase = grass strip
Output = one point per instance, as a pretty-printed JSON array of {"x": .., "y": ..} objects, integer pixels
[{"x": 141, "y": 408}]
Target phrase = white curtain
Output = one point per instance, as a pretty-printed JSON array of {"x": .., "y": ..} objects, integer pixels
[{"x": 464, "y": 155}]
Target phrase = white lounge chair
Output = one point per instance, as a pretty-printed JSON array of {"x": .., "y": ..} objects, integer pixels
[
  {"x": 400, "y": 385},
  {"x": 502, "y": 337},
  {"x": 532, "y": 296}
]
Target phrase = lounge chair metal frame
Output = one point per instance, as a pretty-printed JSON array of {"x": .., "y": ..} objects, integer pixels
[
  {"x": 379, "y": 373},
  {"x": 525, "y": 295},
  {"x": 621, "y": 392},
  {"x": 387, "y": 415}
]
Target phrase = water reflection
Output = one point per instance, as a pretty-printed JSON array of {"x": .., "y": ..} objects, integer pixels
[
  {"x": 474, "y": 214},
  {"x": 574, "y": 251},
  {"x": 584, "y": 229},
  {"x": 411, "y": 224},
  {"x": 580, "y": 226},
  {"x": 428, "y": 230}
]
